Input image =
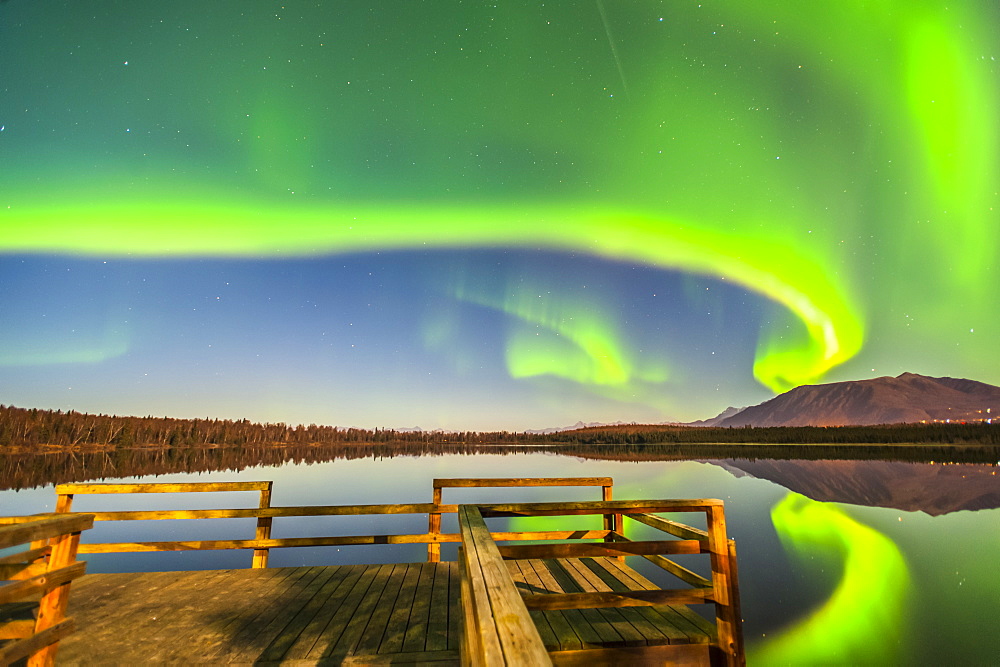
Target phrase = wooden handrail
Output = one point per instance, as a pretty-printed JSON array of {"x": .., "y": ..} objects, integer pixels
[
  {"x": 42, "y": 569},
  {"x": 66, "y": 492},
  {"x": 496, "y": 626},
  {"x": 720, "y": 589},
  {"x": 262, "y": 542},
  {"x": 612, "y": 522}
]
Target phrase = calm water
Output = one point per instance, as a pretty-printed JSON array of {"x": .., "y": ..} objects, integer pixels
[{"x": 821, "y": 582}]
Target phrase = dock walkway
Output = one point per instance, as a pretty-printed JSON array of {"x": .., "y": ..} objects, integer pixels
[{"x": 405, "y": 613}]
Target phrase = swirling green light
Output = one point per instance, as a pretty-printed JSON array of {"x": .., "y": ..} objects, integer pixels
[
  {"x": 861, "y": 622},
  {"x": 566, "y": 337},
  {"x": 164, "y": 228}
]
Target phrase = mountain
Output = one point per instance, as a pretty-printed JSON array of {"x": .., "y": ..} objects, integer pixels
[
  {"x": 717, "y": 419},
  {"x": 908, "y": 398},
  {"x": 575, "y": 427}
]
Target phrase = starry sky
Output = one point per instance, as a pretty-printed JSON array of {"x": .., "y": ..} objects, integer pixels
[{"x": 492, "y": 215}]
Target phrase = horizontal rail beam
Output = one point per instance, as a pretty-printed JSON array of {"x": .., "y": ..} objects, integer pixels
[
  {"x": 26, "y": 555},
  {"x": 31, "y": 529},
  {"x": 601, "y": 549},
  {"x": 605, "y": 599},
  {"x": 674, "y": 528},
  {"x": 488, "y": 482},
  {"x": 42, "y": 582},
  {"x": 216, "y": 545},
  {"x": 336, "y": 540},
  {"x": 22, "y": 648},
  {"x": 597, "y": 507},
  {"x": 160, "y": 487},
  {"x": 255, "y": 512}
]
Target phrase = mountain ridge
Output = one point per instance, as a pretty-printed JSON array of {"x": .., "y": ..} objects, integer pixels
[{"x": 906, "y": 398}]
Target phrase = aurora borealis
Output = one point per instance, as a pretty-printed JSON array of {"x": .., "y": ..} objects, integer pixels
[{"x": 462, "y": 215}]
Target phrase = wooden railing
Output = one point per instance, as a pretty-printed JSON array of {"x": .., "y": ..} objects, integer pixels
[
  {"x": 265, "y": 514},
  {"x": 721, "y": 590},
  {"x": 66, "y": 492},
  {"x": 46, "y": 568},
  {"x": 434, "y": 518},
  {"x": 496, "y": 626},
  {"x": 487, "y": 586}
]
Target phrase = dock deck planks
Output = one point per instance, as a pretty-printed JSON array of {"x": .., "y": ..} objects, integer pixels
[{"x": 349, "y": 614}]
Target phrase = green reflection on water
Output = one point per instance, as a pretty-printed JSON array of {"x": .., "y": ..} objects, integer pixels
[{"x": 862, "y": 621}]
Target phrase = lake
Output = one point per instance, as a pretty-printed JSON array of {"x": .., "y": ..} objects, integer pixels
[{"x": 894, "y": 563}]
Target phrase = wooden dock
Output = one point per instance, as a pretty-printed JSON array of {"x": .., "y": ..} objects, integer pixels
[
  {"x": 348, "y": 614},
  {"x": 567, "y": 597}
]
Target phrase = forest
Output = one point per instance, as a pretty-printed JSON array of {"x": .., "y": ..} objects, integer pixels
[{"x": 32, "y": 430}]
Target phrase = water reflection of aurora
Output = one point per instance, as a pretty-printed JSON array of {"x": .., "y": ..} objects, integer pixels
[{"x": 862, "y": 620}]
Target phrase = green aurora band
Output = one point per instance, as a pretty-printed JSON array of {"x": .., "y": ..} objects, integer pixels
[
  {"x": 862, "y": 621},
  {"x": 165, "y": 229},
  {"x": 567, "y": 337}
]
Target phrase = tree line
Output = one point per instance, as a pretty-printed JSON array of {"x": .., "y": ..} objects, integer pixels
[{"x": 28, "y": 430}]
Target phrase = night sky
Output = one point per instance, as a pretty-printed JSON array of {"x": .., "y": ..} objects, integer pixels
[{"x": 486, "y": 215}]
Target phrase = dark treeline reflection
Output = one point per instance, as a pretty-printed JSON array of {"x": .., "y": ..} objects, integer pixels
[{"x": 21, "y": 471}]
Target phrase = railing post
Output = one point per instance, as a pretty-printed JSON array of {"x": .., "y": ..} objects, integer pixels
[
  {"x": 64, "y": 505},
  {"x": 52, "y": 606},
  {"x": 263, "y": 528},
  {"x": 612, "y": 521},
  {"x": 722, "y": 584},
  {"x": 434, "y": 528}
]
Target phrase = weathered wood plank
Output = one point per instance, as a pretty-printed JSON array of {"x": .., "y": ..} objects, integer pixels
[
  {"x": 681, "y": 624},
  {"x": 440, "y": 608},
  {"x": 318, "y": 593},
  {"x": 673, "y": 527},
  {"x": 272, "y": 512},
  {"x": 41, "y": 582},
  {"x": 26, "y": 556},
  {"x": 220, "y": 545},
  {"x": 616, "y": 599},
  {"x": 22, "y": 648},
  {"x": 577, "y": 621},
  {"x": 248, "y": 641},
  {"x": 162, "y": 487},
  {"x": 598, "y": 507},
  {"x": 121, "y": 604},
  {"x": 414, "y": 659},
  {"x": 618, "y": 577},
  {"x": 592, "y": 549},
  {"x": 558, "y": 632},
  {"x": 487, "y": 482},
  {"x": 454, "y": 606},
  {"x": 374, "y": 631},
  {"x": 490, "y": 581},
  {"x": 606, "y": 634},
  {"x": 416, "y": 630},
  {"x": 327, "y": 640},
  {"x": 399, "y": 619},
  {"x": 178, "y": 617},
  {"x": 617, "y": 618},
  {"x": 629, "y": 579},
  {"x": 320, "y": 622},
  {"x": 348, "y": 639},
  {"x": 680, "y": 655},
  {"x": 33, "y": 528}
]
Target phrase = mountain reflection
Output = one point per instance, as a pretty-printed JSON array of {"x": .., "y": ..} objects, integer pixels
[{"x": 932, "y": 488}]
